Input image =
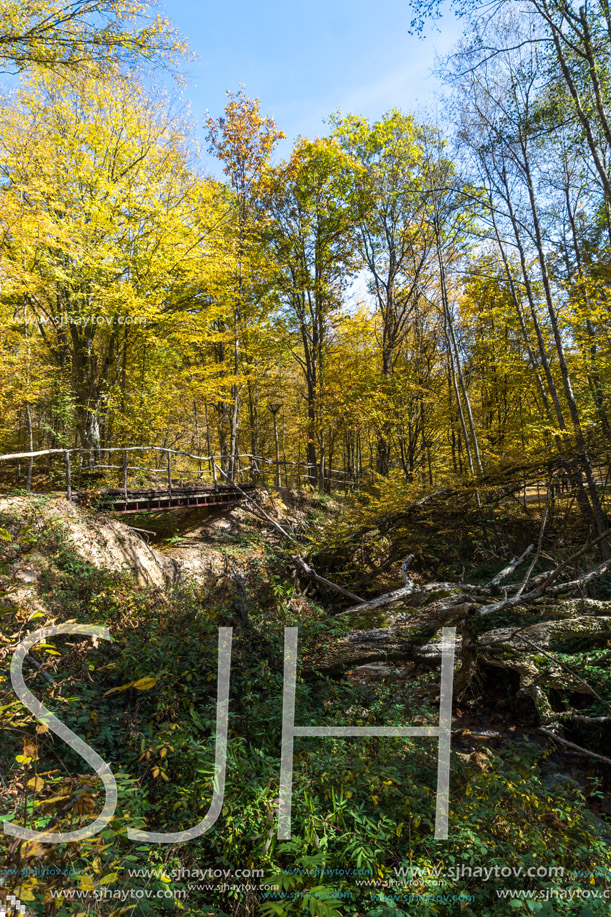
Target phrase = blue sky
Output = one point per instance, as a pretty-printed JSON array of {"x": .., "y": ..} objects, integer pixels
[{"x": 306, "y": 59}]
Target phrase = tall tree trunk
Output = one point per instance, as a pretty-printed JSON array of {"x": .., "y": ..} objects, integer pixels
[
  {"x": 235, "y": 399},
  {"x": 457, "y": 374},
  {"x": 28, "y": 416},
  {"x": 518, "y": 307},
  {"x": 597, "y": 511},
  {"x": 532, "y": 306}
]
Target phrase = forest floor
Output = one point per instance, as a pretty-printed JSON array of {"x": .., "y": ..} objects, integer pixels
[{"x": 528, "y": 814}]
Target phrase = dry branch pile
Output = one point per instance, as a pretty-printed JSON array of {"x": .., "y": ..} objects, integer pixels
[{"x": 546, "y": 611}]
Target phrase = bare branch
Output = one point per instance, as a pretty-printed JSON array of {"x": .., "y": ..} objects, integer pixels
[
  {"x": 579, "y": 748},
  {"x": 513, "y": 564}
]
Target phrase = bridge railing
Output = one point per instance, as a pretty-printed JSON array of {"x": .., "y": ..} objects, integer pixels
[{"x": 211, "y": 469}]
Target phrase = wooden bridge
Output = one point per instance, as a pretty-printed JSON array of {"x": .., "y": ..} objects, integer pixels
[
  {"x": 154, "y": 500},
  {"x": 89, "y": 477},
  {"x": 132, "y": 500}
]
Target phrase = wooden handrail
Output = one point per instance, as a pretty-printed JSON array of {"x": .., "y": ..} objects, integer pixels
[
  {"x": 165, "y": 449},
  {"x": 211, "y": 459}
]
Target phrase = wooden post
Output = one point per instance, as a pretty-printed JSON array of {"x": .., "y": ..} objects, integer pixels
[
  {"x": 214, "y": 478},
  {"x": 68, "y": 475},
  {"x": 125, "y": 469},
  {"x": 169, "y": 471}
]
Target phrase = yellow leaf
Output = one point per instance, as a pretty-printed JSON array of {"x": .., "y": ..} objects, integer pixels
[
  {"x": 33, "y": 849},
  {"x": 36, "y": 783},
  {"x": 46, "y": 802},
  {"x": 110, "y": 877},
  {"x": 145, "y": 684},
  {"x": 142, "y": 684}
]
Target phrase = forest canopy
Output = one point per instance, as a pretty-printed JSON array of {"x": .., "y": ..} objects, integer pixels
[{"x": 415, "y": 303}]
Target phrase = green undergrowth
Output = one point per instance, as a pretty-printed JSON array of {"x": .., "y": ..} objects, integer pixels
[{"x": 362, "y": 809}]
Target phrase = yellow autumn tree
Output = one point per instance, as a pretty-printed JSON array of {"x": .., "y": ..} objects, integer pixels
[
  {"x": 66, "y": 34},
  {"x": 104, "y": 224}
]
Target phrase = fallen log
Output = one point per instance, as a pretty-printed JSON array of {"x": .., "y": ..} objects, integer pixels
[
  {"x": 574, "y": 747},
  {"x": 310, "y": 573},
  {"x": 417, "y": 640},
  {"x": 511, "y": 567},
  {"x": 379, "y": 636},
  {"x": 404, "y": 625}
]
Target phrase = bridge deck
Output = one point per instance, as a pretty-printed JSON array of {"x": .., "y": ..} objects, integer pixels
[{"x": 161, "y": 500}]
